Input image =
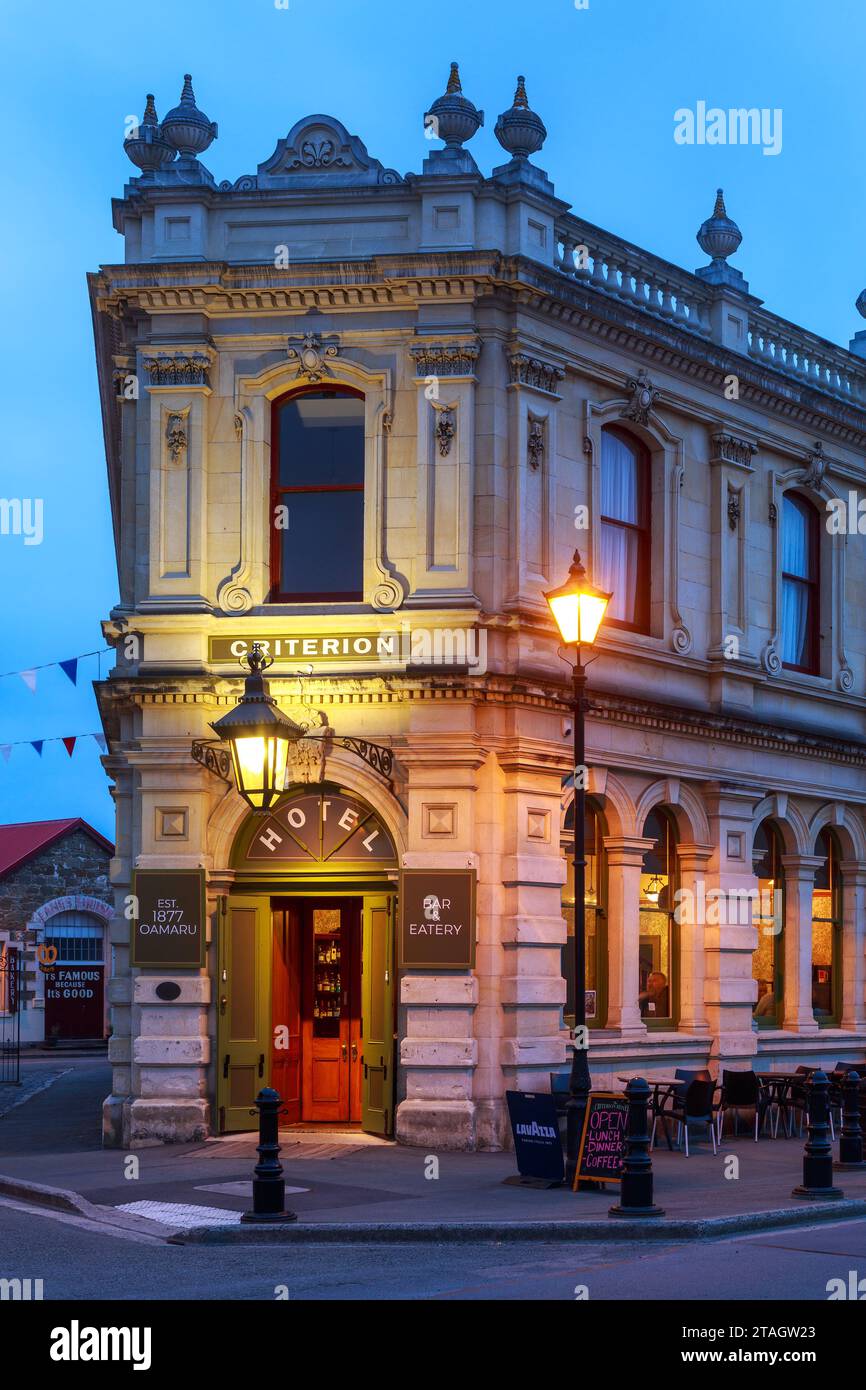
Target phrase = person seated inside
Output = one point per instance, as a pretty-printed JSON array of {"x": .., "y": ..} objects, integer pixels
[
  {"x": 653, "y": 1000},
  {"x": 766, "y": 1005}
]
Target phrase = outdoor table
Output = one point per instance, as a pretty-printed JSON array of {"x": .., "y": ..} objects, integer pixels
[
  {"x": 780, "y": 1084},
  {"x": 659, "y": 1083}
]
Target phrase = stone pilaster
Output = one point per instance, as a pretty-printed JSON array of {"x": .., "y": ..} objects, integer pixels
[
  {"x": 624, "y": 863},
  {"x": 853, "y": 963},
  {"x": 800, "y": 869},
  {"x": 730, "y": 939},
  {"x": 692, "y": 924}
]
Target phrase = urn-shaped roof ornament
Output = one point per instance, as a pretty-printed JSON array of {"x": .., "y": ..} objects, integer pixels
[
  {"x": 860, "y": 303},
  {"x": 187, "y": 128},
  {"x": 144, "y": 144},
  {"x": 519, "y": 130},
  {"x": 452, "y": 117},
  {"x": 719, "y": 236}
]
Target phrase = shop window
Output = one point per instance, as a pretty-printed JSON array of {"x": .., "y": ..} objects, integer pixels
[
  {"x": 800, "y": 584},
  {"x": 658, "y": 963},
  {"x": 827, "y": 934},
  {"x": 595, "y": 901},
  {"x": 317, "y": 497},
  {"x": 768, "y": 916},
  {"x": 624, "y": 569}
]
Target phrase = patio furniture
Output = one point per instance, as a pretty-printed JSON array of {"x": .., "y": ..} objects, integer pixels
[
  {"x": 694, "y": 1106},
  {"x": 743, "y": 1090}
]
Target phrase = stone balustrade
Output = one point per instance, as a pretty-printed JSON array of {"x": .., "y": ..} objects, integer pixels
[
  {"x": 624, "y": 271},
  {"x": 806, "y": 357}
]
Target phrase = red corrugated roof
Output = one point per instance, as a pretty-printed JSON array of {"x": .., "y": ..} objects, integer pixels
[{"x": 20, "y": 842}]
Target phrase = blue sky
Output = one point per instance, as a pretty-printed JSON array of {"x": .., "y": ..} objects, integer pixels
[{"x": 606, "y": 80}]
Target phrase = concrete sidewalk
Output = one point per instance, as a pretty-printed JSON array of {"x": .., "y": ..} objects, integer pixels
[{"x": 348, "y": 1183}]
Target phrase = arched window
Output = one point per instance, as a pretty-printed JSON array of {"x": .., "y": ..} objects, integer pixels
[
  {"x": 595, "y": 901},
  {"x": 827, "y": 933},
  {"x": 317, "y": 497},
  {"x": 658, "y": 964},
  {"x": 624, "y": 569},
  {"x": 78, "y": 936},
  {"x": 800, "y": 584},
  {"x": 768, "y": 915}
]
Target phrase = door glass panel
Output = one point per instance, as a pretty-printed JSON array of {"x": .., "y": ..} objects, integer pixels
[{"x": 327, "y": 973}]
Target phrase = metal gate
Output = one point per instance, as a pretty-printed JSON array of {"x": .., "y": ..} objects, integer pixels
[{"x": 11, "y": 993}]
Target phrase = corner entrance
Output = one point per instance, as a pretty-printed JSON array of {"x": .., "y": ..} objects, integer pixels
[{"x": 306, "y": 1000}]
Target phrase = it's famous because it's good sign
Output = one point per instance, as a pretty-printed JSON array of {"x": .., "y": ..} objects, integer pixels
[
  {"x": 168, "y": 926},
  {"x": 437, "y": 919}
]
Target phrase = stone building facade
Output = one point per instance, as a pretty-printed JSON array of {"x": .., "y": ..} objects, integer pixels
[
  {"x": 521, "y": 382},
  {"x": 55, "y": 891}
]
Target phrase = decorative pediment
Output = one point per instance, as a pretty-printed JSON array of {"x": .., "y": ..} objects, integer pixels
[{"x": 317, "y": 151}]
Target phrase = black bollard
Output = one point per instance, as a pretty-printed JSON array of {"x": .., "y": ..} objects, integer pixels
[
  {"x": 269, "y": 1185},
  {"x": 851, "y": 1138},
  {"x": 636, "y": 1183},
  {"x": 818, "y": 1153}
]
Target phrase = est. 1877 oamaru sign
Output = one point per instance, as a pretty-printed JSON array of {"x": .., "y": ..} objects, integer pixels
[
  {"x": 437, "y": 919},
  {"x": 168, "y": 927}
]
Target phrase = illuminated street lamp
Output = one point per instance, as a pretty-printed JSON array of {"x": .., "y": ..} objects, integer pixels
[
  {"x": 259, "y": 736},
  {"x": 578, "y": 608}
]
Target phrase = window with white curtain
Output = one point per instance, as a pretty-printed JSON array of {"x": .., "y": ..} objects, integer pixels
[
  {"x": 799, "y": 626},
  {"x": 623, "y": 569}
]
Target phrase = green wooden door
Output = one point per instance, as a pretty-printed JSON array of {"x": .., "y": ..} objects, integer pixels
[
  {"x": 243, "y": 1010},
  {"x": 377, "y": 1014}
]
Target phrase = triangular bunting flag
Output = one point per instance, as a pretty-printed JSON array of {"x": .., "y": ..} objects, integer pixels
[
  {"x": 29, "y": 679},
  {"x": 69, "y": 743},
  {"x": 100, "y": 739},
  {"x": 37, "y": 744},
  {"x": 70, "y": 668},
  {"x": 6, "y": 750}
]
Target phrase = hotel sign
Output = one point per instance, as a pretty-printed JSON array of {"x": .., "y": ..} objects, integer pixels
[
  {"x": 168, "y": 928},
  {"x": 437, "y": 919},
  {"x": 395, "y": 648}
]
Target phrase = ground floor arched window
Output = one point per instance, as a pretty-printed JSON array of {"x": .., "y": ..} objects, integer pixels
[
  {"x": 595, "y": 906},
  {"x": 768, "y": 916},
  {"x": 658, "y": 947},
  {"x": 827, "y": 933}
]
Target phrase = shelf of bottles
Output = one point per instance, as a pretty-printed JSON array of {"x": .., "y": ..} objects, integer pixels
[{"x": 327, "y": 987}]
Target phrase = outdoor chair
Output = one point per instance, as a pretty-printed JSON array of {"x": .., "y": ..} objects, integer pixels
[
  {"x": 694, "y": 1106},
  {"x": 795, "y": 1102},
  {"x": 742, "y": 1090}
]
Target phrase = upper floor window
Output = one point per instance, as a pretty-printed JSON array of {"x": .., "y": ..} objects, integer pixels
[
  {"x": 624, "y": 570},
  {"x": 799, "y": 584},
  {"x": 317, "y": 497}
]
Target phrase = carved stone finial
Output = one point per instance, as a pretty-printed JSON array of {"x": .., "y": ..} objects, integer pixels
[
  {"x": 519, "y": 130},
  {"x": 452, "y": 117},
  {"x": 145, "y": 145},
  {"x": 719, "y": 236},
  {"x": 187, "y": 128}
]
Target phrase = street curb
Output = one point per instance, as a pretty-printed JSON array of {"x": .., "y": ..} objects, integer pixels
[
  {"x": 63, "y": 1199},
  {"x": 455, "y": 1232}
]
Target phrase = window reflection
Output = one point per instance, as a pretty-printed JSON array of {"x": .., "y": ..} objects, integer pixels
[
  {"x": 594, "y": 906},
  {"x": 656, "y": 965},
  {"x": 826, "y": 933},
  {"x": 768, "y": 916}
]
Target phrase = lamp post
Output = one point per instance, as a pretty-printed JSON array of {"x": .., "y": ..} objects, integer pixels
[{"x": 578, "y": 609}]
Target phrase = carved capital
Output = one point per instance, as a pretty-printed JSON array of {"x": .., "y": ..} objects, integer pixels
[
  {"x": 446, "y": 359},
  {"x": 728, "y": 448},
  {"x": 526, "y": 370},
  {"x": 178, "y": 369}
]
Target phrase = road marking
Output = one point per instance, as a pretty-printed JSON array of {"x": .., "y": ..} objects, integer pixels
[{"x": 181, "y": 1216}]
